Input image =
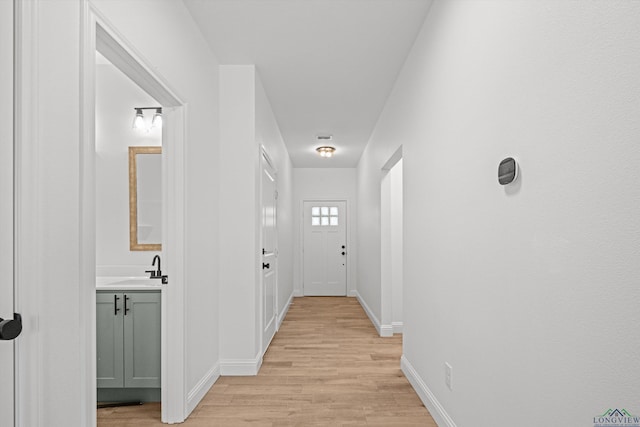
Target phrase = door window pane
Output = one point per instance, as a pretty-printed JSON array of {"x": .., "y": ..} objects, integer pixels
[{"x": 324, "y": 216}]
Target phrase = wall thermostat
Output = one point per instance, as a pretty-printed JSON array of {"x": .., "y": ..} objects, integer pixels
[{"x": 507, "y": 171}]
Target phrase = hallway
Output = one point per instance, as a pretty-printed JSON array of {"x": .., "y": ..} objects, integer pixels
[{"x": 326, "y": 367}]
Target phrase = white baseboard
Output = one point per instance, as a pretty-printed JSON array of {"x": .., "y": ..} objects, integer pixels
[
  {"x": 386, "y": 331},
  {"x": 397, "y": 327},
  {"x": 240, "y": 367},
  {"x": 299, "y": 293},
  {"x": 372, "y": 317},
  {"x": 200, "y": 390},
  {"x": 438, "y": 413},
  {"x": 282, "y": 315}
]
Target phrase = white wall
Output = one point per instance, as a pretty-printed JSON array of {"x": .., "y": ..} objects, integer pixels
[
  {"x": 239, "y": 339},
  {"x": 324, "y": 184},
  {"x": 165, "y": 35},
  {"x": 528, "y": 291},
  {"x": 116, "y": 96},
  {"x": 369, "y": 242},
  {"x": 246, "y": 123}
]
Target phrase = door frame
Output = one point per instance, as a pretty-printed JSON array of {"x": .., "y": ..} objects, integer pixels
[
  {"x": 347, "y": 223},
  {"x": 387, "y": 327},
  {"x": 97, "y": 33},
  {"x": 264, "y": 156},
  {"x": 27, "y": 276},
  {"x": 7, "y": 209}
]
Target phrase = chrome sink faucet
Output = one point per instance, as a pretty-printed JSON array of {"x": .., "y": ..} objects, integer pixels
[{"x": 155, "y": 274}]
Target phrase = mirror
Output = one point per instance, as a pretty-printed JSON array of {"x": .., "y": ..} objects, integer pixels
[{"x": 145, "y": 198}]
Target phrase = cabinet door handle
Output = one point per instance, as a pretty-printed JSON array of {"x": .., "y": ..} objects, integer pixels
[
  {"x": 115, "y": 305},
  {"x": 126, "y": 310}
]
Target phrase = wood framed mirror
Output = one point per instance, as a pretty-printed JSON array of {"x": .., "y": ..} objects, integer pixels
[{"x": 145, "y": 198}]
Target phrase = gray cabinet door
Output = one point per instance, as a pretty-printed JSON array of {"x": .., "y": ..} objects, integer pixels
[
  {"x": 142, "y": 340},
  {"x": 110, "y": 339}
]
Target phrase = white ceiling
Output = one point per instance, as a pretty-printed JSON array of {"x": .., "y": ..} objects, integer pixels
[{"x": 327, "y": 65}]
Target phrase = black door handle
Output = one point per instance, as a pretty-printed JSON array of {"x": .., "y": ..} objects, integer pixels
[
  {"x": 343, "y": 253},
  {"x": 265, "y": 265},
  {"x": 126, "y": 310},
  {"x": 115, "y": 305},
  {"x": 10, "y": 328}
]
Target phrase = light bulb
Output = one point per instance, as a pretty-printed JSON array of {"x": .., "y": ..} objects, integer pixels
[
  {"x": 325, "y": 151},
  {"x": 157, "y": 119},
  {"x": 138, "y": 120}
]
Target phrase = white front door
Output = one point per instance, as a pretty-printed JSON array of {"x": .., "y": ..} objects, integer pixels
[
  {"x": 6, "y": 209},
  {"x": 325, "y": 250},
  {"x": 269, "y": 252}
]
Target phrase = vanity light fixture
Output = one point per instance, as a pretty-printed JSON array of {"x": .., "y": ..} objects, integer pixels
[
  {"x": 138, "y": 120},
  {"x": 326, "y": 151}
]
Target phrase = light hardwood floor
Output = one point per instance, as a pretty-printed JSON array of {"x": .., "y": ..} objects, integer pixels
[{"x": 325, "y": 367}]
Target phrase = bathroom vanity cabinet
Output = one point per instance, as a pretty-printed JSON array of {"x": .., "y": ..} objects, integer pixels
[{"x": 128, "y": 344}]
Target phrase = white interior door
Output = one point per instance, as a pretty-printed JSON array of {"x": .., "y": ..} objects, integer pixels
[
  {"x": 269, "y": 252},
  {"x": 325, "y": 250},
  {"x": 6, "y": 209}
]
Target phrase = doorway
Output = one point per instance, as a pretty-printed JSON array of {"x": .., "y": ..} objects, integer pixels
[
  {"x": 129, "y": 210},
  {"x": 324, "y": 248},
  {"x": 391, "y": 250},
  {"x": 99, "y": 37}
]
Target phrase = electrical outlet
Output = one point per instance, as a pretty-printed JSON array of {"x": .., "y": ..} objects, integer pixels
[{"x": 448, "y": 375}]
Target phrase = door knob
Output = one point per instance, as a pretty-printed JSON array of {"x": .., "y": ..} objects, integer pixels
[
  {"x": 10, "y": 329},
  {"x": 343, "y": 253},
  {"x": 265, "y": 265},
  {"x": 343, "y": 246}
]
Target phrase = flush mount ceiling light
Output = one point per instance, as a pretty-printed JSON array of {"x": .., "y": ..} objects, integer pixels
[
  {"x": 138, "y": 120},
  {"x": 326, "y": 151}
]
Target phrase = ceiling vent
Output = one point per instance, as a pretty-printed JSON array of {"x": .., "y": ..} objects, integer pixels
[{"x": 324, "y": 138}]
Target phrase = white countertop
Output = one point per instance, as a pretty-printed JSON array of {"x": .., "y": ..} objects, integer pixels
[{"x": 116, "y": 283}]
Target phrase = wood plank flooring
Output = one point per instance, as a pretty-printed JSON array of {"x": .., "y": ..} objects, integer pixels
[{"x": 325, "y": 367}]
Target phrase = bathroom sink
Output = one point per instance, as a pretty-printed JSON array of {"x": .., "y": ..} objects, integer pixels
[
  {"x": 128, "y": 283},
  {"x": 137, "y": 281}
]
